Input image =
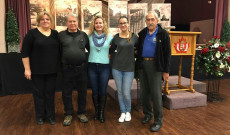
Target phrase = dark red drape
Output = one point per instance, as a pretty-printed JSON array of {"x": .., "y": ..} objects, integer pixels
[
  {"x": 22, "y": 11},
  {"x": 221, "y": 15}
]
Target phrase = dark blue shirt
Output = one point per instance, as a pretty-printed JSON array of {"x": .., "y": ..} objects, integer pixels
[{"x": 149, "y": 47}]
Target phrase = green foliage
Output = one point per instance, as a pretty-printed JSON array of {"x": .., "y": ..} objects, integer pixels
[
  {"x": 12, "y": 30},
  {"x": 226, "y": 32}
]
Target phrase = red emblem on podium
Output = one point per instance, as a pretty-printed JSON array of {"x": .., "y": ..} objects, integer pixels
[{"x": 181, "y": 46}]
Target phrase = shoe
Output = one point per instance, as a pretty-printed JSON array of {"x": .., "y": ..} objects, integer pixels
[
  {"x": 82, "y": 118},
  {"x": 96, "y": 106},
  {"x": 102, "y": 108},
  {"x": 51, "y": 120},
  {"x": 155, "y": 127},
  {"x": 122, "y": 117},
  {"x": 164, "y": 97},
  {"x": 127, "y": 116},
  {"x": 67, "y": 120},
  {"x": 40, "y": 121},
  {"x": 146, "y": 119}
]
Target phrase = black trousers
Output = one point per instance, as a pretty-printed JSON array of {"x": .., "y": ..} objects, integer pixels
[
  {"x": 74, "y": 77},
  {"x": 43, "y": 94}
]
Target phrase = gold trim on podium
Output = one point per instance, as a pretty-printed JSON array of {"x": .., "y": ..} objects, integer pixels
[{"x": 183, "y": 44}]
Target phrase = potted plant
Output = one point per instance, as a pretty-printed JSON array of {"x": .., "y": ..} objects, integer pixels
[
  {"x": 12, "y": 32},
  {"x": 214, "y": 59}
]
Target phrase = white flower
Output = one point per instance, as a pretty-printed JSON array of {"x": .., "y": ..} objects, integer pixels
[
  {"x": 218, "y": 54},
  {"x": 220, "y": 74},
  {"x": 216, "y": 45},
  {"x": 212, "y": 58},
  {"x": 222, "y": 65}
]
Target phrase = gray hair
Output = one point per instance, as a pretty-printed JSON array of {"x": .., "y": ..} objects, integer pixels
[
  {"x": 71, "y": 15},
  {"x": 153, "y": 13}
]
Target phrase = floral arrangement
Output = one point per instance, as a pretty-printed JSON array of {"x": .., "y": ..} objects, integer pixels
[{"x": 214, "y": 57}]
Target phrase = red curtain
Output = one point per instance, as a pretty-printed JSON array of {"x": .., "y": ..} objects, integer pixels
[
  {"x": 221, "y": 15},
  {"x": 22, "y": 11}
]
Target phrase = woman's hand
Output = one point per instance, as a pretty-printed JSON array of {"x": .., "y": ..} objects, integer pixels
[
  {"x": 26, "y": 63},
  {"x": 28, "y": 74}
]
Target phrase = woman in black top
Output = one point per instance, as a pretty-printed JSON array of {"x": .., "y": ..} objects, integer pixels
[
  {"x": 41, "y": 58},
  {"x": 123, "y": 66}
]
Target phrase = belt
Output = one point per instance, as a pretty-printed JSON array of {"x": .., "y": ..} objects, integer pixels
[
  {"x": 147, "y": 59},
  {"x": 72, "y": 66}
]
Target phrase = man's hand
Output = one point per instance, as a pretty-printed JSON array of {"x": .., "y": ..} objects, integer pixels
[{"x": 165, "y": 76}]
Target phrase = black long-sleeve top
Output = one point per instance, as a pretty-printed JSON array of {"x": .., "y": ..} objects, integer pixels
[
  {"x": 73, "y": 45},
  {"x": 43, "y": 51}
]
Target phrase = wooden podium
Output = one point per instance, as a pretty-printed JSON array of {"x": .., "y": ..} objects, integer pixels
[{"x": 183, "y": 44}]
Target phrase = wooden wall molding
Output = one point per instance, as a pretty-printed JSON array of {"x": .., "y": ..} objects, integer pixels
[{"x": 2, "y": 27}]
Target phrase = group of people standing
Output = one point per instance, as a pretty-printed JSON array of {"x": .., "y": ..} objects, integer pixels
[{"x": 45, "y": 52}]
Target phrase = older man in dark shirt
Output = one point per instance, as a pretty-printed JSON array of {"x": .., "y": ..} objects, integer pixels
[
  {"x": 154, "y": 53},
  {"x": 74, "y": 68}
]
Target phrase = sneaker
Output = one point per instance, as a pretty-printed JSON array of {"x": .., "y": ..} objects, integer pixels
[
  {"x": 67, "y": 120},
  {"x": 127, "y": 116},
  {"x": 51, "y": 120},
  {"x": 122, "y": 117},
  {"x": 40, "y": 121},
  {"x": 82, "y": 118}
]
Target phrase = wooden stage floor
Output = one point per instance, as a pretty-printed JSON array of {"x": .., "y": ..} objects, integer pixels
[{"x": 17, "y": 117}]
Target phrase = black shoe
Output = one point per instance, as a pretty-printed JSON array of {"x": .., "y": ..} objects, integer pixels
[
  {"x": 146, "y": 119},
  {"x": 101, "y": 117},
  {"x": 155, "y": 127},
  {"x": 51, "y": 120},
  {"x": 102, "y": 108},
  {"x": 96, "y": 115},
  {"x": 164, "y": 98},
  {"x": 40, "y": 121},
  {"x": 96, "y": 106}
]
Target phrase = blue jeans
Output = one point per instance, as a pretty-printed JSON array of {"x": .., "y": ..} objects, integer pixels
[
  {"x": 123, "y": 82},
  {"x": 98, "y": 77}
]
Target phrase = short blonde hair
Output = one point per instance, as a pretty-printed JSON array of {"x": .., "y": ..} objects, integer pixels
[
  {"x": 92, "y": 29},
  {"x": 41, "y": 14}
]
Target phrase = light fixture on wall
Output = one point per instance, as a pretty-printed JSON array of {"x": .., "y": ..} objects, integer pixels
[{"x": 209, "y": 2}]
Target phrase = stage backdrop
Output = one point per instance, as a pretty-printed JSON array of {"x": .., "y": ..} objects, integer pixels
[
  {"x": 164, "y": 13},
  {"x": 116, "y": 10},
  {"x": 136, "y": 14},
  {"x": 59, "y": 9},
  {"x": 62, "y": 9},
  {"x": 89, "y": 9},
  {"x": 37, "y": 6}
]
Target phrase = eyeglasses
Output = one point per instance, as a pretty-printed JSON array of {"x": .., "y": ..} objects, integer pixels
[
  {"x": 123, "y": 23},
  {"x": 150, "y": 19}
]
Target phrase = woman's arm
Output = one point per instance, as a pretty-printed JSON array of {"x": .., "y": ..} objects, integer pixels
[
  {"x": 26, "y": 63},
  {"x": 113, "y": 46}
]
